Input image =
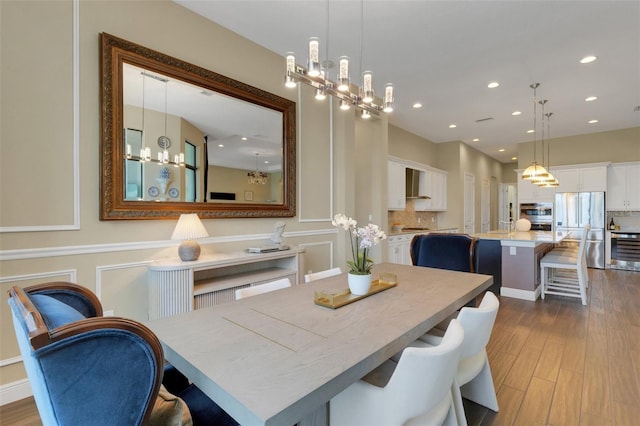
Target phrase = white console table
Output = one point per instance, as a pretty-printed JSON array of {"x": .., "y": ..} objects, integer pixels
[{"x": 176, "y": 286}]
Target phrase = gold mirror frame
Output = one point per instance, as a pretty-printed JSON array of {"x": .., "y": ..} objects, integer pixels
[{"x": 114, "y": 52}]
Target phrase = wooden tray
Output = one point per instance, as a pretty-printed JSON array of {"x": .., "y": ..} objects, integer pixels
[{"x": 344, "y": 297}]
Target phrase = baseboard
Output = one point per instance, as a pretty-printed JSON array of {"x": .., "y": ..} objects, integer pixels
[
  {"x": 517, "y": 293},
  {"x": 15, "y": 391}
]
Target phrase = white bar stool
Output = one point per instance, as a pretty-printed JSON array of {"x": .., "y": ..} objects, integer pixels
[{"x": 564, "y": 272}]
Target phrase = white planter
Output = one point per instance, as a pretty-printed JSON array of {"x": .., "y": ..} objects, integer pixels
[{"x": 359, "y": 284}]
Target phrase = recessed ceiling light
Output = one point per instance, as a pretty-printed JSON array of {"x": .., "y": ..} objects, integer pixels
[
  {"x": 531, "y": 131},
  {"x": 475, "y": 140},
  {"x": 592, "y": 121},
  {"x": 417, "y": 105},
  {"x": 514, "y": 158},
  {"x": 501, "y": 150},
  {"x": 452, "y": 126},
  {"x": 220, "y": 145},
  {"x": 588, "y": 59},
  {"x": 516, "y": 113},
  {"x": 591, "y": 98},
  {"x": 244, "y": 138},
  {"x": 493, "y": 85}
]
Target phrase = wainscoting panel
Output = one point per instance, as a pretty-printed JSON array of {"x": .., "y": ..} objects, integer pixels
[
  {"x": 318, "y": 256},
  {"x": 123, "y": 290}
]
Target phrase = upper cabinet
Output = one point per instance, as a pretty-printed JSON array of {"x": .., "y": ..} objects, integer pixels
[
  {"x": 432, "y": 184},
  {"x": 581, "y": 179},
  {"x": 396, "y": 184},
  {"x": 623, "y": 187}
]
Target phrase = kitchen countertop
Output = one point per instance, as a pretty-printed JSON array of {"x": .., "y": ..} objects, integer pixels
[
  {"x": 515, "y": 237},
  {"x": 406, "y": 231}
]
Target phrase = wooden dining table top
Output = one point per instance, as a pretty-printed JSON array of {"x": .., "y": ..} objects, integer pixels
[{"x": 274, "y": 358}]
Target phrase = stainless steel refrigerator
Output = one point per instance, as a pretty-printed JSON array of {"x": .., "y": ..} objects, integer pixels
[{"x": 574, "y": 210}]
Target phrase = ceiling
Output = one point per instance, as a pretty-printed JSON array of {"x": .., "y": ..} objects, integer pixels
[{"x": 444, "y": 53}]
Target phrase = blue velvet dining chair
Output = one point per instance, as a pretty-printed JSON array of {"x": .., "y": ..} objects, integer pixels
[
  {"x": 86, "y": 369},
  {"x": 443, "y": 251}
]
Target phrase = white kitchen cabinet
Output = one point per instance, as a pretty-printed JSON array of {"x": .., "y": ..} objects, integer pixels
[
  {"x": 396, "y": 185},
  {"x": 529, "y": 192},
  {"x": 581, "y": 179},
  {"x": 400, "y": 248},
  {"x": 623, "y": 187},
  {"x": 433, "y": 183}
]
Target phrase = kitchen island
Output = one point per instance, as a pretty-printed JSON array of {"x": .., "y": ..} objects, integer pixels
[{"x": 521, "y": 254}]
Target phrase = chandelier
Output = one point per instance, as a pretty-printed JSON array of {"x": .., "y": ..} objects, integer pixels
[
  {"x": 256, "y": 176},
  {"x": 315, "y": 76},
  {"x": 535, "y": 171},
  {"x": 163, "y": 141}
]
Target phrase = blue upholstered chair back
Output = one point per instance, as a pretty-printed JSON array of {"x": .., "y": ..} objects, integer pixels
[
  {"x": 84, "y": 369},
  {"x": 443, "y": 251}
]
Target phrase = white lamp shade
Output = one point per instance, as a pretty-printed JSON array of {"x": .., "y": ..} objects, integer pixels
[{"x": 189, "y": 227}]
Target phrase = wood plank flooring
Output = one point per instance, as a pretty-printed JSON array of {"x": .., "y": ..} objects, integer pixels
[{"x": 554, "y": 362}]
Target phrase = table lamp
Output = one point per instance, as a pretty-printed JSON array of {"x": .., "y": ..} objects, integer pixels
[{"x": 188, "y": 229}]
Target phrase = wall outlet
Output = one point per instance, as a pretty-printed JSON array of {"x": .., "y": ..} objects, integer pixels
[
  {"x": 512, "y": 251},
  {"x": 108, "y": 313}
]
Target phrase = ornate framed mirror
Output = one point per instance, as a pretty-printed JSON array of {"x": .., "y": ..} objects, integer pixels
[{"x": 178, "y": 138}]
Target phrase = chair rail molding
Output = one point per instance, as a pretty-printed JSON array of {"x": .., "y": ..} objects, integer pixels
[{"x": 37, "y": 253}]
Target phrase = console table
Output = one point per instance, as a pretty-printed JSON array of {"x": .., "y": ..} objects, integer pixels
[{"x": 176, "y": 286}]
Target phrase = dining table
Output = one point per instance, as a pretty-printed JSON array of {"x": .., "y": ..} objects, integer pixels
[{"x": 278, "y": 358}]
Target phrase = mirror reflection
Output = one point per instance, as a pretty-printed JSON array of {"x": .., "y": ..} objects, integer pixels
[
  {"x": 178, "y": 138},
  {"x": 185, "y": 143}
]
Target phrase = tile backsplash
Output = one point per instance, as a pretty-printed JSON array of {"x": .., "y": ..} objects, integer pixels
[
  {"x": 624, "y": 219},
  {"x": 411, "y": 218}
]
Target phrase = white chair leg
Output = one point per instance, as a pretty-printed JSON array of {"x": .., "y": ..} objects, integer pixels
[
  {"x": 481, "y": 390},
  {"x": 583, "y": 285},
  {"x": 543, "y": 280},
  {"x": 457, "y": 404}
]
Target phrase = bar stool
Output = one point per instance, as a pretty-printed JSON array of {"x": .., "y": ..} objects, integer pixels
[{"x": 564, "y": 272}]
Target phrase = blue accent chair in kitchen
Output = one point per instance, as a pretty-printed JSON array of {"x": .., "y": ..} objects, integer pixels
[
  {"x": 443, "y": 251},
  {"x": 86, "y": 369}
]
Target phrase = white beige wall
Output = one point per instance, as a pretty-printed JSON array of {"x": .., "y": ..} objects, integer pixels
[
  {"x": 403, "y": 144},
  {"x": 50, "y": 201},
  {"x": 617, "y": 146}
]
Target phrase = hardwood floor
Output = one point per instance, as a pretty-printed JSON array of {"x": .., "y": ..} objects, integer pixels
[{"x": 554, "y": 362}]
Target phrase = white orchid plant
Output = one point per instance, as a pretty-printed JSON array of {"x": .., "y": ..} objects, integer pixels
[{"x": 362, "y": 239}]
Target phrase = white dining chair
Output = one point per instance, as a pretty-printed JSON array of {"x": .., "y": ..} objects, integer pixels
[
  {"x": 416, "y": 390},
  {"x": 241, "y": 293},
  {"x": 473, "y": 378},
  {"x": 322, "y": 274},
  {"x": 564, "y": 272}
]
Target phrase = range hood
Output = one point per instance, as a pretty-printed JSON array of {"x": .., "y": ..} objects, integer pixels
[{"x": 413, "y": 185}]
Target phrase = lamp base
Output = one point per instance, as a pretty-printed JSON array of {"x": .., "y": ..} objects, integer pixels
[{"x": 189, "y": 250}]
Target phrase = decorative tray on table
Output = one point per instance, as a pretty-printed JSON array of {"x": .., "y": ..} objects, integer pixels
[{"x": 344, "y": 297}]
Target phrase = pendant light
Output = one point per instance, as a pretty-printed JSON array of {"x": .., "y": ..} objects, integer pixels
[
  {"x": 541, "y": 180},
  {"x": 553, "y": 182},
  {"x": 163, "y": 141},
  {"x": 535, "y": 170},
  {"x": 145, "y": 152}
]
